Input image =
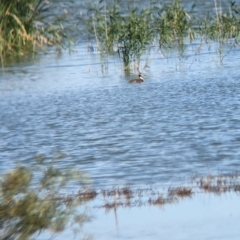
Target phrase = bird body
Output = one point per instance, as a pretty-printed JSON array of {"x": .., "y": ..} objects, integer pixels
[{"x": 140, "y": 79}]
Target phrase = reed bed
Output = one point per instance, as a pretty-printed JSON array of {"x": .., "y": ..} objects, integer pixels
[
  {"x": 115, "y": 27},
  {"x": 27, "y": 26},
  {"x": 167, "y": 27}
]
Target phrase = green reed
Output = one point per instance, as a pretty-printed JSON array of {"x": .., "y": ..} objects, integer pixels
[
  {"x": 134, "y": 31},
  {"x": 222, "y": 28},
  {"x": 29, "y": 25},
  {"x": 173, "y": 25},
  {"x": 128, "y": 34},
  {"x": 130, "y": 31},
  {"x": 135, "y": 36}
]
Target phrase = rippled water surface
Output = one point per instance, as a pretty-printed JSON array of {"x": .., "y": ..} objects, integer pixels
[{"x": 184, "y": 119}]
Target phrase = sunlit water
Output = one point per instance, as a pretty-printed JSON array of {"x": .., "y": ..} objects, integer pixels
[
  {"x": 206, "y": 217},
  {"x": 183, "y": 120}
]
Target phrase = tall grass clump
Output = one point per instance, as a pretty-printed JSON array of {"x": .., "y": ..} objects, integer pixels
[
  {"x": 173, "y": 25},
  {"x": 31, "y": 201},
  {"x": 131, "y": 30},
  {"x": 222, "y": 28},
  {"x": 135, "y": 35},
  {"x": 27, "y": 25},
  {"x": 102, "y": 24},
  {"x": 127, "y": 33}
]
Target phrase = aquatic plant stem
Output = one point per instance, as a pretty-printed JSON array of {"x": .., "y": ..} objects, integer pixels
[{"x": 95, "y": 32}]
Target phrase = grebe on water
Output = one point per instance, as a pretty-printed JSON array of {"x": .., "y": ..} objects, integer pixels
[{"x": 137, "y": 80}]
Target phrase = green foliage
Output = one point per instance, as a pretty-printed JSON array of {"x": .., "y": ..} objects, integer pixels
[
  {"x": 221, "y": 27},
  {"x": 116, "y": 26},
  {"x": 173, "y": 25},
  {"x": 135, "y": 34},
  {"x": 30, "y": 201},
  {"x": 103, "y": 24},
  {"x": 129, "y": 33},
  {"x": 26, "y": 25}
]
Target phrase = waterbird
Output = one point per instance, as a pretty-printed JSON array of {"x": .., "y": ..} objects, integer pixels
[{"x": 140, "y": 79}]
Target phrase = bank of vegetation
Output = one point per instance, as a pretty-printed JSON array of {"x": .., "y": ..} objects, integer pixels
[{"x": 114, "y": 26}]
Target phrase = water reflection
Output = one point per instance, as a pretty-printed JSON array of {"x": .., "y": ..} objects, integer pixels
[{"x": 190, "y": 219}]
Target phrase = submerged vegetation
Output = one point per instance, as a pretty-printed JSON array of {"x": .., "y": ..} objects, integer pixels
[{"x": 121, "y": 27}]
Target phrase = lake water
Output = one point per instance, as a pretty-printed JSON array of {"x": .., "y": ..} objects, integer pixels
[
  {"x": 208, "y": 217},
  {"x": 184, "y": 119}
]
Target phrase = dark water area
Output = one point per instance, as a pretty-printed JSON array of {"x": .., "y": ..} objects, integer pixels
[{"x": 183, "y": 120}]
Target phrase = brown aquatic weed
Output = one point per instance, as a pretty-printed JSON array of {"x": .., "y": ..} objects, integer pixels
[
  {"x": 127, "y": 192},
  {"x": 87, "y": 194},
  {"x": 159, "y": 201},
  {"x": 215, "y": 185},
  {"x": 181, "y": 192}
]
